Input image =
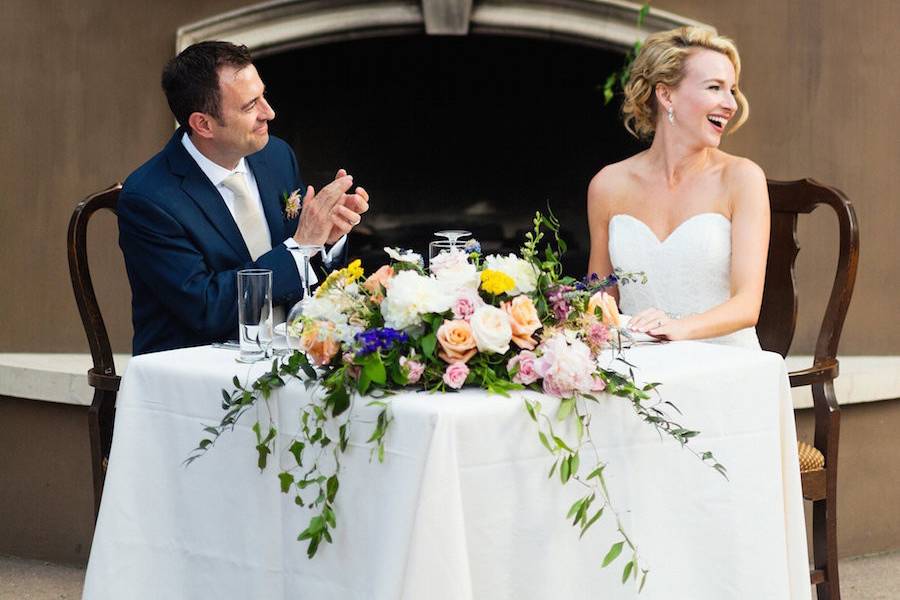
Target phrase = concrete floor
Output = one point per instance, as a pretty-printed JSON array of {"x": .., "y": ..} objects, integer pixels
[{"x": 863, "y": 578}]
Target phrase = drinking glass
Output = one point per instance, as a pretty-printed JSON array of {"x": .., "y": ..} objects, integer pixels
[
  {"x": 294, "y": 323},
  {"x": 453, "y": 239},
  {"x": 254, "y": 290}
]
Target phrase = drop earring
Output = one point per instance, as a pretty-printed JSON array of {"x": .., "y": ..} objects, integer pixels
[{"x": 671, "y": 114}]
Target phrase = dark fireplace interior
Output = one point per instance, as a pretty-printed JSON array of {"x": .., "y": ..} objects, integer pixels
[{"x": 474, "y": 132}]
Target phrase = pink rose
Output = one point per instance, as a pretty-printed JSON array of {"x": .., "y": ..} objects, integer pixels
[
  {"x": 464, "y": 306},
  {"x": 599, "y": 384},
  {"x": 455, "y": 375},
  {"x": 525, "y": 361},
  {"x": 414, "y": 369}
]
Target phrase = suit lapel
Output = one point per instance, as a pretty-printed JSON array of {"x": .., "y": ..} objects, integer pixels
[
  {"x": 201, "y": 190},
  {"x": 269, "y": 195}
]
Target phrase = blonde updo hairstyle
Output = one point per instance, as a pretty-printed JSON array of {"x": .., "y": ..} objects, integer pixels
[{"x": 662, "y": 60}]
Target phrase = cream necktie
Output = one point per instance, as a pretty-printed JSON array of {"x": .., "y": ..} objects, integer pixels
[{"x": 248, "y": 216}]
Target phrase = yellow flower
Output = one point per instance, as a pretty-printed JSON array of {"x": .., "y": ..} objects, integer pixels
[
  {"x": 347, "y": 275},
  {"x": 353, "y": 271},
  {"x": 496, "y": 282}
]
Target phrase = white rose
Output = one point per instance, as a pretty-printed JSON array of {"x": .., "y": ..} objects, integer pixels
[
  {"x": 491, "y": 329},
  {"x": 521, "y": 271},
  {"x": 410, "y": 296},
  {"x": 454, "y": 270}
]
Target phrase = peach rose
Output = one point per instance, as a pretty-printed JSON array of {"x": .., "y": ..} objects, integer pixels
[
  {"x": 320, "y": 342},
  {"x": 608, "y": 308},
  {"x": 377, "y": 280},
  {"x": 523, "y": 319},
  {"x": 456, "y": 341}
]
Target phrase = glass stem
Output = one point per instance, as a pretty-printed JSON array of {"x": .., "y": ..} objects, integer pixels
[{"x": 305, "y": 276}]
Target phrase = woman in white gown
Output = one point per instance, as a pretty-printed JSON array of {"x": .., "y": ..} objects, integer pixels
[{"x": 693, "y": 218}]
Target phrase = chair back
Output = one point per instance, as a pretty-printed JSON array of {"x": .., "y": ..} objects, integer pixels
[
  {"x": 102, "y": 376},
  {"x": 778, "y": 315}
]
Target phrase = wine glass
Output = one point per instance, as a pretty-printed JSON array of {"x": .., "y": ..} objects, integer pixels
[
  {"x": 294, "y": 323},
  {"x": 452, "y": 240}
]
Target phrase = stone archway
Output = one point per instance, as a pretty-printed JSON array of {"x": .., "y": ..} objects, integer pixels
[
  {"x": 272, "y": 27},
  {"x": 431, "y": 133}
]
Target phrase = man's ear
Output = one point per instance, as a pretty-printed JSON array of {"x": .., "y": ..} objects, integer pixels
[{"x": 200, "y": 123}]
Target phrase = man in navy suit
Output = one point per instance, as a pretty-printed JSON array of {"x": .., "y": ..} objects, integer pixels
[{"x": 210, "y": 204}]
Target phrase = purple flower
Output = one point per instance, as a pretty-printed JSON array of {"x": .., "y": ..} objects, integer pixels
[
  {"x": 380, "y": 338},
  {"x": 559, "y": 304}
]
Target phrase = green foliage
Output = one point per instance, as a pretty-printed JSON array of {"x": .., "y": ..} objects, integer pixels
[
  {"x": 619, "y": 78},
  {"x": 567, "y": 455}
]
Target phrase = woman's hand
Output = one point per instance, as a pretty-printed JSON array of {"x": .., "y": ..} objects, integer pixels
[{"x": 657, "y": 323}]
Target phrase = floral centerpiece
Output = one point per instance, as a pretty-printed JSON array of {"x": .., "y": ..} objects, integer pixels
[{"x": 502, "y": 323}]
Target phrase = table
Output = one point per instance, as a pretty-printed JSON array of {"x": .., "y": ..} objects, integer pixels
[{"x": 462, "y": 507}]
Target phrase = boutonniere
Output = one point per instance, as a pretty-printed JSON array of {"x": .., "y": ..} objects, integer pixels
[{"x": 291, "y": 204}]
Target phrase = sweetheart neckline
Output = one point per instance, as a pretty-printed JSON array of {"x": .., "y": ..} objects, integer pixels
[{"x": 677, "y": 227}]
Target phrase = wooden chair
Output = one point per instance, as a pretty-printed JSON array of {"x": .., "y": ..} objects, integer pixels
[
  {"x": 777, "y": 322},
  {"x": 102, "y": 377}
]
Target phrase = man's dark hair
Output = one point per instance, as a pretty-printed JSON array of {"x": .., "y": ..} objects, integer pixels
[{"x": 191, "y": 79}]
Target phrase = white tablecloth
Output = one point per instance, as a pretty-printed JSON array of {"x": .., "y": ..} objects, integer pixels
[{"x": 462, "y": 507}]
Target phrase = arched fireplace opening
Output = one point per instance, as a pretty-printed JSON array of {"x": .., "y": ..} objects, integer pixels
[{"x": 473, "y": 132}]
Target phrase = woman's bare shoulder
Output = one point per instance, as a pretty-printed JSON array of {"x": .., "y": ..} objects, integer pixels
[
  {"x": 737, "y": 170},
  {"x": 614, "y": 180},
  {"x": 745, "y": 181}
]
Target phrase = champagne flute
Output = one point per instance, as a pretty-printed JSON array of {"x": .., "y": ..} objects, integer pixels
[{"x": 294, "y": 323}]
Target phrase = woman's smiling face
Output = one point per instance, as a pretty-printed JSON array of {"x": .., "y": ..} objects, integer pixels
[{"x": 703, "y": 102}]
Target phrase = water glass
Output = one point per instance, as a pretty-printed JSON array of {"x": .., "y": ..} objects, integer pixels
[{"x": 254, "y": 290}]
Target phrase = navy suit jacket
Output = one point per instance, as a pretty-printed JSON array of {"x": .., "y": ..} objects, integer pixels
[{"x": 183, "y": 249}]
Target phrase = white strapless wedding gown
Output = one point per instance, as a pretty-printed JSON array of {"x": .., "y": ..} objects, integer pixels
[{"x": 687, "y": 273}]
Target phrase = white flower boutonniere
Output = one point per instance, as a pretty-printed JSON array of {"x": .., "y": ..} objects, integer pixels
[{"x": 291, "y": 204}]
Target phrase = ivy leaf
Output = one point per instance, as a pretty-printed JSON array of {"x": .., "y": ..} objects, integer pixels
[
  {"x": 545, "y": 442},
  {"x": 286, "y": 480},
  {"x": 590, "y": 522},
  {"x": 627, "y": 570},
  {"x": 561, "y": 444},
  {"x": 339, "y": 400},
  {"x": 332, "y": 488},
  {"x": 296, "y": 449},
  {"x": 574, "y": 462},
  {"x": 575, "y": 508},
  {"x": 613, "y": 554},
  {"x": 530, "y": 410},
  {"x": 565, "y": 408}
]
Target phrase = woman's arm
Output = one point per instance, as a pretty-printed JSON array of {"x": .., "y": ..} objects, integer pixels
[
  {"x": 598, "y": 200},
  {"x": 749, "y": 249}
]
